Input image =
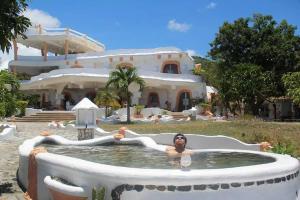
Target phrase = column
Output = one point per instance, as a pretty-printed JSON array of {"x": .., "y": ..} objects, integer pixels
[
  {"x": 58, "y": 95},
  {"x": 66, "y": 49},
  {"x": 45, "y": 51}
]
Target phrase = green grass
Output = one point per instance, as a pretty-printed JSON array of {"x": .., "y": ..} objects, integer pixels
[{"x": 250, "y": 131}]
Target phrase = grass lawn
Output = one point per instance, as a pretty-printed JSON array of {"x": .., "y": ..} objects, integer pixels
[{"x": 250, "y": 131}]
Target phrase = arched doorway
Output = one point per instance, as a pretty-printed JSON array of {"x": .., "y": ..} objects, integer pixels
[
  {"x": 184, "y": 100},
  {"x": 153, "y": 100},
  {"x": 91, "y": 95},
  {"x": 67, "y": 100}
]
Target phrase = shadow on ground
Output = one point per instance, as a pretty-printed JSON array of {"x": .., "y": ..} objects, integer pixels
[{"x": 6, "y": 188}]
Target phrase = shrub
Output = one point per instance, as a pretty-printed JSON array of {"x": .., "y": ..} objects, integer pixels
[
  {"x": 21, "y": 105},
  {"x": 138, "y": 109},
  {"x": 205, "y": 106},
  {"x": 10, "y": 105},
  {"x": 284, "y": 148},
  {"x": 2, "y": 110}
]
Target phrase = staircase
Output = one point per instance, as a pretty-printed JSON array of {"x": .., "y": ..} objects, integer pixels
[
  {"x": 178, "y": 115},
  {"x": 47, "y": 116}
]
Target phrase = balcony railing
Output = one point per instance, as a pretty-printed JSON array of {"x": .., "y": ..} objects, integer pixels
[
  {"x": 105, "y": 73},
  {"x": 39, "y": 30}
]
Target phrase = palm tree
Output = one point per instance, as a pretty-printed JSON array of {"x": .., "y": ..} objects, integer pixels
[
  {"x": 107, "y": 98},
  {"x": 120, "y": 79}
]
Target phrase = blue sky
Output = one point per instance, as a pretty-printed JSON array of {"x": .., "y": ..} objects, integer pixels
[
  {"x": 144, "y": 23},
  {"x": 127, "y": 24}
]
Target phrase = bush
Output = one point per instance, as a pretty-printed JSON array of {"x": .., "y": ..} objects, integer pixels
[
  {"x": 2, "y": 110},
  {"x": 21, "y": 105},
  {"x": 10, "y": 105},
  {"x": 138, "y": 109},
  {"x": 284, "y": 148},
  {"x": 205, "y": 106}
]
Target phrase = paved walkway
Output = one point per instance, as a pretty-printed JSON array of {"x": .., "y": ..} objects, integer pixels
[{"x": 9, "y": 159}]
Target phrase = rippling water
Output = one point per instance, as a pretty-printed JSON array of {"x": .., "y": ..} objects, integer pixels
[{"x": 143, "y": 157}]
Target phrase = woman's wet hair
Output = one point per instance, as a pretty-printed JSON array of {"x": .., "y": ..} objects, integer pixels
[{"x": 179, "y": 134}]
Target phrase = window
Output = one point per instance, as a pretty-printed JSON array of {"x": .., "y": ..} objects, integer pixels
[{"x": 171, "y": 68}]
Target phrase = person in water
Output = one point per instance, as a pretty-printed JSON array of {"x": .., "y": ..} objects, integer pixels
[{"x": 178, "y": 149}]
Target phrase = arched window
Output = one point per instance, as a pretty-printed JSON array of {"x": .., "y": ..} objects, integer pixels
[
  {"x": 171, "y": 67},
  {"x": 91, "y": 95}
]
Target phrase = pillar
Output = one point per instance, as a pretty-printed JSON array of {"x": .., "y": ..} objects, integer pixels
[
  {"x": 45, "y": 51},
  {"x": 66, "y": 49},
  {"x": 58, "y": 95}
]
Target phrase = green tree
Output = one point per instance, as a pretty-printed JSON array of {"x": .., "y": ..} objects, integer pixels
[
  {"x": 292, "y": 84},
  {"x": 261, "y": 41},
  {"x": 121, "y": 79},
  {"x": 9, "y": 88},
  {"x": 12, "y": 22},
  {"x": 246, "y": 83},
  {"x": 209, "y": 70},
  {"x": 106, "y": 98}
]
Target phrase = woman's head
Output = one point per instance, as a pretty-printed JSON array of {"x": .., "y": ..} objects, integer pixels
[{"x": 179, "y": 139}]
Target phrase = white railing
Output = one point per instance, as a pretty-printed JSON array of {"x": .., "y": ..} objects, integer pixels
[
  {"x": 107, "y": 53},
  {"x": 60, "y": 31}
]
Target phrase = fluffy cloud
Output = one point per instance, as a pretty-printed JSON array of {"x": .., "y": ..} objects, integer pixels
[
  {"x": 175, "y": 26},
  {"x": 211, "y": 5},
  {"x": 191, "y": 52},
  {"x": 40, "y": 17}
]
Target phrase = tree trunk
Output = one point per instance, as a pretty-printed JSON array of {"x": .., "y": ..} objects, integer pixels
[
  {"x": 128, "y": 108},
  {"x": 275, "y": 111},
  {"x": 254, "y": 109}
]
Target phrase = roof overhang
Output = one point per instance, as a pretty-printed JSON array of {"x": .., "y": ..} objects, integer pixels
[{"x": 79, "y": 76}]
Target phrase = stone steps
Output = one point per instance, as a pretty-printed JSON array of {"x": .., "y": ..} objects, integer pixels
[
  {"x": 178, "y": 115},
  {"x": 47, "y": 116}
]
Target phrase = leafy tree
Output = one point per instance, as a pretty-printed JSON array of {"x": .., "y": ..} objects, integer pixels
[
  {"x": 208, "y": 71},
  {"x": 12, "y": 22},
  {"x": 292, "y": 84},
  {"x": 261, "y": 41},
  {"x": 9, "y": 86},
  {"x": 107, "y": 98},
  {"x": 121, "y": 79},
  {"x": 246, "y": 83}
]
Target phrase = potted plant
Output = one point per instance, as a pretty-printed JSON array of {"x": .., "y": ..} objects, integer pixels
[{"x": 138, "y": 109}]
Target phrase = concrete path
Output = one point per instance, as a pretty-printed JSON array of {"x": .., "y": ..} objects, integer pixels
[{"x": 9, "y": 159}]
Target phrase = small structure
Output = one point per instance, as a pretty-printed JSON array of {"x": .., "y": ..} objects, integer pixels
[{"x": 86, "y": 112}]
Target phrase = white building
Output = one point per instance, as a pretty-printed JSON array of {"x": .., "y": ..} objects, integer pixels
[{"x": 73, "y": 66}]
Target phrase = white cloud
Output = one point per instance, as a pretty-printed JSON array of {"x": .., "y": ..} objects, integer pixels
[
  {"x": 175, "y": 26},
  {"x": 40, "y": 17},
  {"x": 211, "y": 5},
  {"x": 22, "y": 50},
  {"x": 191, "y": 52}
]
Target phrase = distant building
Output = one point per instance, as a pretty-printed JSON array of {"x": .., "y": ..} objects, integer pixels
[{"x": 73, "y": 66}]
